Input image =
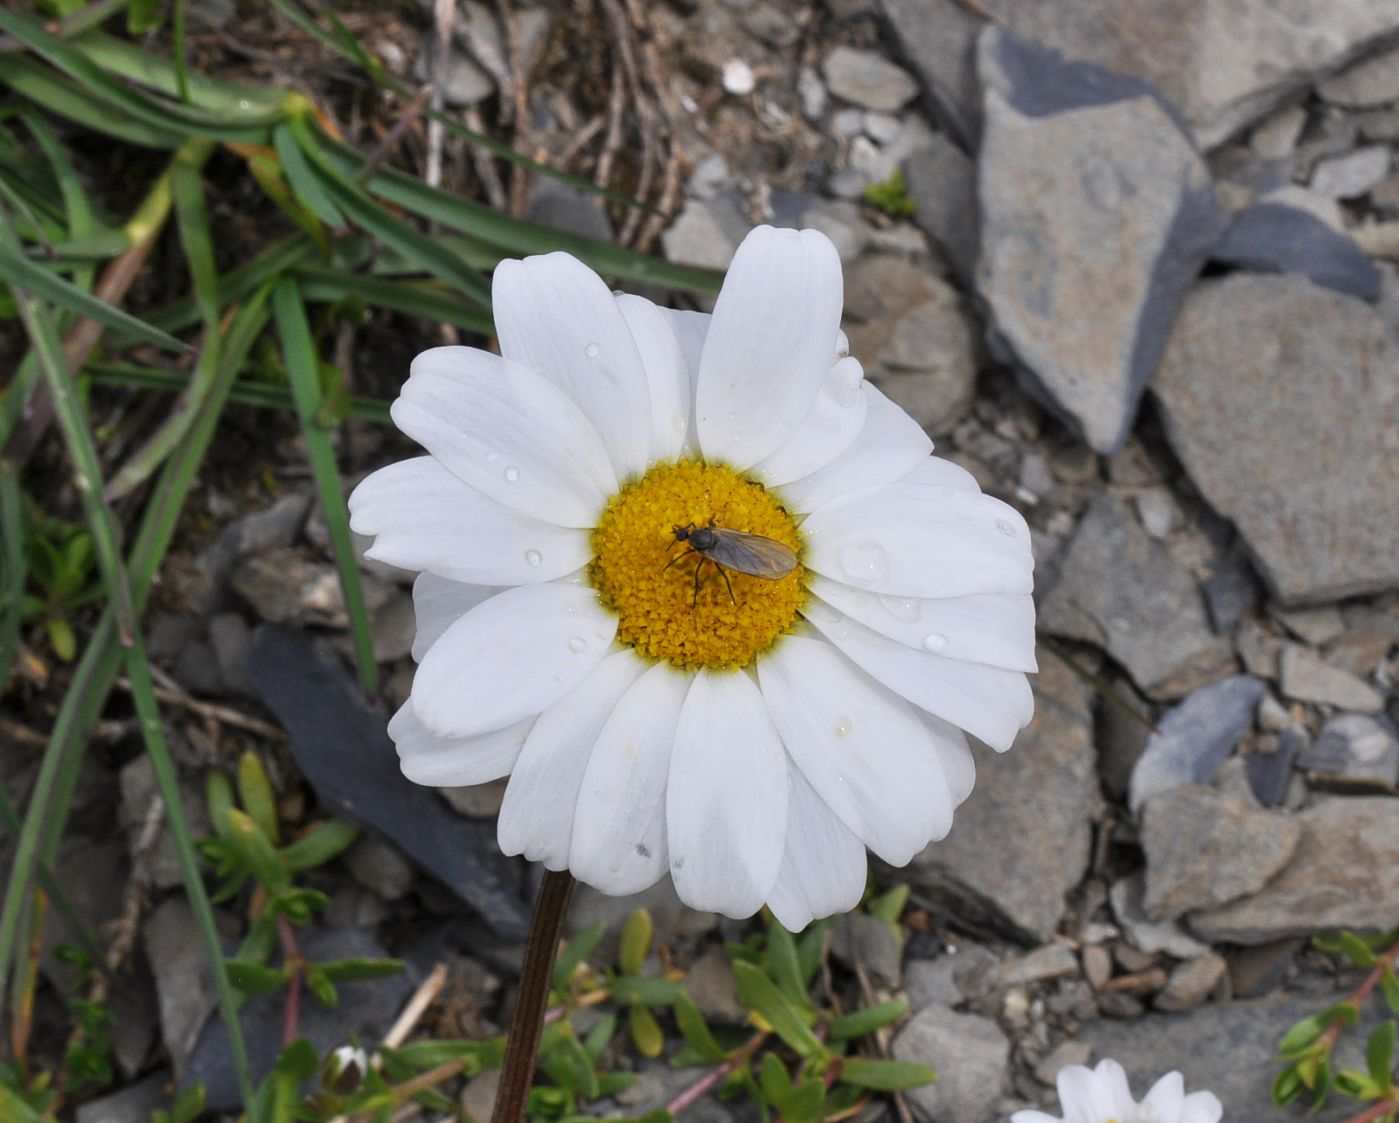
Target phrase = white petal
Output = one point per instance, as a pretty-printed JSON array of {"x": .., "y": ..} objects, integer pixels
[
  {"x": 1113, "y": 1079},
  {"x": 690, "y": 330},
  {"x": 889, "y": 445},
  {"x": 425, "y": 518},
  {"x": 862, "y": 749},
  {"x": 1167, "y": 1095},
  {"x": 667, "y": 374},
  {"x": 726, "y": 800},
  {"x": 536, "y": 819},
  {"x": 937, "y": 472},
  {"x": 1200, "y": 1107},
  {"x": 511, "y": 657},
  {"x": 554, "y": 315},
  {"x": 990, "y": 703},
  {"x": 823, "y": 864},
  {"x": 1083, "y": 1096},
  {"x": 954, "y": 755},
  {"x": 996, "y": 629},
  {"x": 508, "y": 432},
  {"x": 1033, "y": 1117},
  {"x": 769, "y": 345},
  {"x": 454, "y": 761},
  {"x": 920, "y": 542},
  {"x": 834, "y": 421},
  {"x": 438, "y": 604},
  {"x": 619, "y": 831}
]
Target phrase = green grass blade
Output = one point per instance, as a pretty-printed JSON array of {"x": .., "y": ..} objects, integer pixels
[
  {"x": 303, "y": 372},
  {"x": 12, "y": 570},
  {"x": 19, "y": 271},
  {"x": 177, "y": 32},
  {"x": 303, "y": 180},
  {"x": 238, "y": 283},
  {"x": 431, "y": 301},
  {"x": 50, "y": 90}
]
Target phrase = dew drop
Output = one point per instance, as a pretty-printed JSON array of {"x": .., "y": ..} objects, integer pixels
[
  {"x": 492, "y": 457},
  {"x": 865, "y": 562},
  {"x": 577, "y": 644},
  {"x": 1006, "y": 527},
  {"x": 512, "y": 473},
  {"x": 592, "y": 350},
  {"x": 538, "y": 369},
  {"x": 843, "y": 726},
  {"x": 935, "y": 641},
  {"x": 533, "y": 558},
  {"x": 902, "y": 608}
]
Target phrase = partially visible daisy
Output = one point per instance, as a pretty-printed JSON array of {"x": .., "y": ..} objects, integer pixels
[
  {"x": 1101, "y": 1095},
  {"x": 749, "y": 735}
]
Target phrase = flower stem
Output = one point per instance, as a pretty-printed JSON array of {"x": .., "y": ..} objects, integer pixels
[{"x": 536, "y": 975}]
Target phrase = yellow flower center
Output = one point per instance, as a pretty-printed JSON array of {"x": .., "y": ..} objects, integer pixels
[{"x": 659, "y": 611}]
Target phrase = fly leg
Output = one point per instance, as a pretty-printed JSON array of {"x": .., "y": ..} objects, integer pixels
[
  {"x": 695, "y": 602},
  {"x": 679, "y": 557},
  {"x": 724, "y": 574}
]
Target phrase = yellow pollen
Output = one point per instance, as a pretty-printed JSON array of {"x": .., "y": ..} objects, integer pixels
[{"x": 657, "y": 609}]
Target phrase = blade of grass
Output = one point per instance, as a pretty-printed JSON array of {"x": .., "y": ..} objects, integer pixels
[
  {"x": 237, "y": 284},
  {"x": 303, "y": 373},
  {"x": 77, "y": 207},
  {"x": 303, "y": 180},
  {"x": 177, "y": 32},
  {"x": 433, "y": 302},
  {"x": 50, "y": 90},
  {"x": 12, "y": 570},
  {"x": 20, "y": 272},
  {"x": 260, "y": 395}
]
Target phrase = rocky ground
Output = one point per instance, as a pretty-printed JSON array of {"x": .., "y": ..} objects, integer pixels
[{"x": 1146, "y": 295}]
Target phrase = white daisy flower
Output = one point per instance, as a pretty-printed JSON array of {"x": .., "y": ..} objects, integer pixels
[
  {"x": 747, "y": 730},
  {"x": 1101, "y": 1095}
]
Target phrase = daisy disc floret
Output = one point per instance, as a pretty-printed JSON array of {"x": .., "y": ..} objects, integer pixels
[
  {"x": 697, "y": 588},
  {"x": 1102, "y": 1095}
]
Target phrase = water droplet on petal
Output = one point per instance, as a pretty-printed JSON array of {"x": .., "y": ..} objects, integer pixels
[
  {"x": 577, "y": 644},
  {"x": 492, "y": 457},
  {"x": 533, "y": 558},
  {"x": 538, "y": 369},
  {"x": 1006, "y": 527},
  {"x": 902, "y": 608},
  {"x": 866, "y": 563},
  {"x": 843, "y": 726},
  {"x": 512, "y": 473},
  {"x": 592, "y": 350},
  {"x": 935, "y": 641}
]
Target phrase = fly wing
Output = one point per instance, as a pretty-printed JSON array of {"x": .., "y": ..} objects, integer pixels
[{"x": 751, "y": 553}]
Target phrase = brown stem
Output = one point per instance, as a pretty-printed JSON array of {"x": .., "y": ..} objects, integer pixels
[
  {"x": 536, "y": 974},
  {"x": 1377, "y": 1110},
  {"x": 292, "y": 957},
  {"x": 720, "y": 1072},
  {"x": 1362, "y": 992}
]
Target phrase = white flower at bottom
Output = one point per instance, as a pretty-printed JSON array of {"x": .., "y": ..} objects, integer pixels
[
  {"x": 1101, "y": 1095},
  {"x": 749, "y": 733}
]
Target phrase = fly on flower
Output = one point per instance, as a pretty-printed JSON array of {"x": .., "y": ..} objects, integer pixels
[{"x": 753, "y": 554}]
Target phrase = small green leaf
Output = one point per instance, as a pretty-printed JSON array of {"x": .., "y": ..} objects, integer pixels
[
  {"x": 645, "y": 1031},
  {"x": 319, "y": 845},
  {"x": 255, "y": 792},
  {"x": 189, "y": 1106},
  {"x": 784, "y": 966},
  {"x": 575, "y": 952},
  {"x": 760, "y": 994},
  {"x": 255, "y": 978},
  {"x": 1301, "y": 1035},
  {"x": 255, "y": 850},
  {"x": 61, "y": 638},
  {"x": 600, "y": 1036},
  {"x": 1356, "y": 950},
  {"x": 806, "y": 1103},
  {"x": 631, "y": 990},
  {"x": 218, "y": 795},
  {"x": 885, "y": 1076},
  {"x": 319, "y": 984},
  {"x": 695, "y": 1030},
  {"x": 774, "y": 1079},
  {"x": 303, "y": 180},
  {"x": 1287, "y": 1086},
  {"x": 353, "y": 970},
  {"x": 891, "y": 905},
  {"x": 635, "y": 942},
  {"x": 1389, "y": 987},
  {"x": 858, "y": 1023},
  {"x": 1379, "y": 1055}
]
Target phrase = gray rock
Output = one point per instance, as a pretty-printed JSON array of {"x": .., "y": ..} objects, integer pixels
[
  {"x": 710, "y": 982},
  {"x": 379, "y": 867},
  {"x": 1124, "y": 592},
  {"x": 962, "y": 974},
  {"x": 1231, "y": 590},
  {"x": 273, "y": 527},
  {"x": 231, "y": 638},
  {"x": 1225, "y": 63},
  {"x": 972, "y": 1059},
  {"x": 1194, "y": 738},
  {"x": 657, "y": 1084},
  {"x": 1018, "y": 880},
  {"x": 1269, "y": 772},
  {"x": 1158, "y": 511},
  {"x": 1121, "y": 729},
  {"x": 1049, "y": 961},
  {"x": 393, "y": 627},
  {"x": 1305, "y": 678},
  {"x": 1345, "y": 874},
  {"x": 479, "y": 1096},
  {"x": 133, "y": 1104},
  {"x": 1095, "y": 210},
  {"x": 1369, "y": 83},
  {"x": 185, "y": 987},
  {"x": 1149, "y": 935},
  {"x": 699, "y": 236},
  {"x": 138, "y": 792},
  {"x": 1229, "y": 1049},
  {"x": 1356, "y": 747},
  {"x": 466, "y": 85},
  {"x": 479, "y": 801},
  {"x": 672, "y": 920},
  {"x": 867, "y": 79},
  {"x": 1204, "y": 849},
  {"x": 1276, "y": 137},
  {"x": 284, "y": 587},
  {"x": 1312, "y": 625},
  {"x": 1256, "y": 357},
  {"x": 941, "y": 181},
  {"x": 1191, "y": 982},
  {"x": 197, "y": 669},
  {"x": 1353, "y": 174},
  {"x": 1270, "y": 237},
  {"x": 1069, "y": 1052},
  {"x": 861, "y": 938},
  {"x": 561, "y": 206}
]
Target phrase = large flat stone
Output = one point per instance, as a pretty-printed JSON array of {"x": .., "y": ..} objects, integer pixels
[
  {"x": 1096, "y": 215},
  {"x": 1345, "y": 874},
  {"x": 1016, "y": 879},
  {"x": 1282, "y": 401},
  {"x": 1120, "y": 589},
  {"x": 972, "y": 1059},
  {"x": 1225, "y": 63}
]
